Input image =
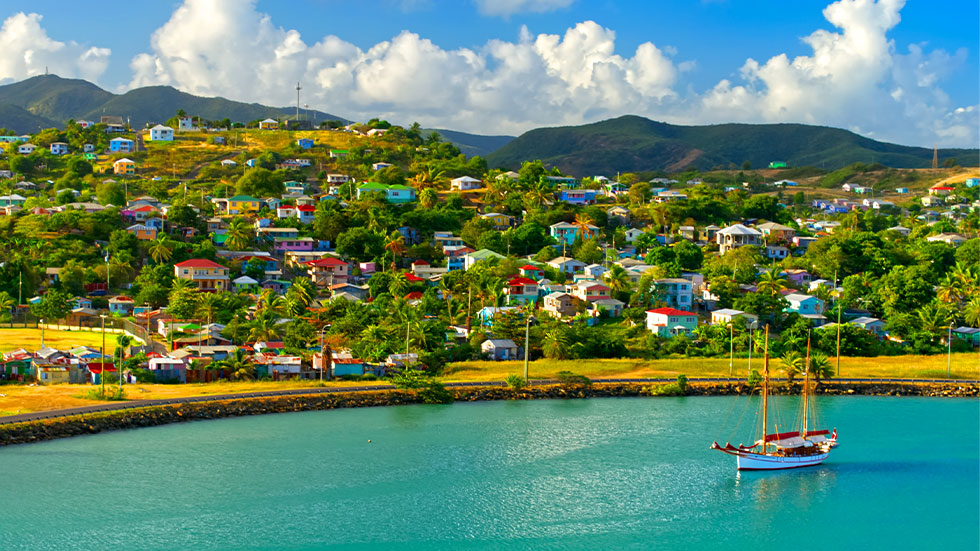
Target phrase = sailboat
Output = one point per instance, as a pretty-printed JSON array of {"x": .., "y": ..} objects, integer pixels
[{"x": 783, "y": 450}]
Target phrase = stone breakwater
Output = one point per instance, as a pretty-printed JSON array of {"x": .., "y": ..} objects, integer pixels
[{"x": 64, "y": 427}]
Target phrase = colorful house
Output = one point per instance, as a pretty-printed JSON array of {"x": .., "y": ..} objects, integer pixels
[
  {"x": 669, "y": 322},
  {"x": 531, "y": 272},
  {"x": 304, "y": 143},
  {"x": 393, "y": 194},
  {"x": 328, "y": 271},
  {"x": 121, "y": 305},
  {"x": 578, "y": 196},
  {"x": 124, "y": 167},
  {"x": 567, "y": 233},
  {"x": 121, "y": 145},
  {"x": 465, "y": 183},
  {"x": 241, "y": 204},
  {"x": 143, "y": 232},
  {"x": 591, "y": 291},
  {"x": 521, "y": 290},
  {"x": 301, "y": 244},
  {"x": 559, "y": 304},
  {"x": 59, "y": 148},
  {"x": 161, "y": 133},
  {"x": 269, "y": 124},
  {"x": 207, "y": 275}
]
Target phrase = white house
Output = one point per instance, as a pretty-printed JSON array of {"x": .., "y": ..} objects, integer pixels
[
  {"x": 59, "y": 148},
  {"x": 736, "y": 236},
  {"x": 185, "y": 123},
  {"x": 465, "y": 183},
  {"x": 26, "y": 149},
  {"x": 566, "y": 265},
  {"x": 161, "y": 133},
  {"x": 500, "y": 349}
]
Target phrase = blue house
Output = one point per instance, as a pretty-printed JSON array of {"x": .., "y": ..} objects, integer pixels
[
  {"x": 121, "y": 145},
  {"x": 486, "y": 314},
  {"x": 578, "y": 196},
  {"x": 972, "y": 182},
  {"x": 82, "y": 302},
  {"x": 566, "y": 233},
  {"x": 305, "y": 143}
]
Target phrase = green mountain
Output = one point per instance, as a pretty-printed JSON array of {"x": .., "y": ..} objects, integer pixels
[
  {"x": 22, "y": 121},
  {"x": 57, "y": 99},
  {"x": 635, "y": 144},
  {"x": 472, "y": 144}
]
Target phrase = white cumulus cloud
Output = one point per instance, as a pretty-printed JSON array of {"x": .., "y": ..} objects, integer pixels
[
  {"x": 853, "y": 77},
  {"x": 500, "y": 87},
  {"x": 29, "y": 51}
]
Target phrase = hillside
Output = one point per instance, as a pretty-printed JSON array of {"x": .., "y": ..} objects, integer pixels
[
  {"x": 21, "y": 120},
  {"x": 58, "y": 99},
  {"x": 634, "y": 144},
  {"x": 473, "y": 144}
]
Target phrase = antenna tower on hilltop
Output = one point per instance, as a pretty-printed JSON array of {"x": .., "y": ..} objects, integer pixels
[
  {"x": 298, "y": 88},
  {"x": 935, "y": 156}
]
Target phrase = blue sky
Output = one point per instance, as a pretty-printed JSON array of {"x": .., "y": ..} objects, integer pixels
[{"x": 504, "y": 66}]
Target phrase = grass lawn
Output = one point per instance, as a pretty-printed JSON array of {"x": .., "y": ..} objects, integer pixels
[
  {"x": 20, "y": 398},
  {"x": 964, "y": 365},
  {"x": 12, "y": 339}
]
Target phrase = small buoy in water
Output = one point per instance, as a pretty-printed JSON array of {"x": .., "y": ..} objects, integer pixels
[{"x": 369, "y": 441}]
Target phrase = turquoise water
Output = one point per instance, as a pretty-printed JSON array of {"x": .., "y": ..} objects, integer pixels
[{"x": 582, "y": 474}]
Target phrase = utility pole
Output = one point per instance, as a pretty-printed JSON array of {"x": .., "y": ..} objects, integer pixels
[
  {"x": 839, "y": 308},
  {"x": 527, "y": 341},
  {"x": 731, "y": 340}
]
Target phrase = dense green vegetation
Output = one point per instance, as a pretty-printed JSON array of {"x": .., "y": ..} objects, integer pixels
[{"x": 635, "y": 144}]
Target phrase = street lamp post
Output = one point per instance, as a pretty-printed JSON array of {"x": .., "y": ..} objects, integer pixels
[
  {"x": 102, "y": 376},
  {"x": 527, "y": 342},
  {"x": 42, "y": 332},
  {"x": 323, "y": 355}
]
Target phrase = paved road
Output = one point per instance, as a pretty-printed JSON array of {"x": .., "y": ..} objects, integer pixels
[{"x": 134, "y": 404}]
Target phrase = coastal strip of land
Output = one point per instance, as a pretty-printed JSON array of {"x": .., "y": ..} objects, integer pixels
[{"x": 56, "y": 424}]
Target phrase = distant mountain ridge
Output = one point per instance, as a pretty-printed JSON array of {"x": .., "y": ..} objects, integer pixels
[
  {"x": 52, "y": 100},
  {"x": 635, "y": 144},
  {"x": 473, "y": 144}
]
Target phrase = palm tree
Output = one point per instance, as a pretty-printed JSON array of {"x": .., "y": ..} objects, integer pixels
[
  {"x": 7, "y": 303},
  {"x": 539, "y": 194},
  {"x": 269, "y": 304},
  {"x": 949, "y": 290},
  {"x": 555, "y": 343},
  {"x": 933, "y": 319},
  {"x": 399, "y": 285},
  {"x": 240, "y": 367},
  {"x": 395, "y": 244},
  {"x": 772, "y": 282},
  {"x": 582, "y": 221},
  {"x": 496, "y": 190},
  {"x": 426, "y": 178},
  {"x": 161, "y": 248},
  {"x": 618, "y": 280},
  {"x": 264, "y": 329},
  {"x": 181, "y": 284},
  {"x": 971, "y": 312},
  {"x": 208, "y": 305},
  {"x": 792, "y": 363},
  {"x": 239, "y": 234},
  {"x": 820, "y": 367},
  {"x": 428, "y": 198}
]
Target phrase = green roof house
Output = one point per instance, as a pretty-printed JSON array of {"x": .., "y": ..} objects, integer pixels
[{"x": 393, "y": 194}]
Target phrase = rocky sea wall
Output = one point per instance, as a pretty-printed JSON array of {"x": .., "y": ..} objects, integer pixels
[{"x": 63, "y": 427}]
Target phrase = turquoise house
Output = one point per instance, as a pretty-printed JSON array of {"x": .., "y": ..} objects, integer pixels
[{"x": 393, "y": 194}]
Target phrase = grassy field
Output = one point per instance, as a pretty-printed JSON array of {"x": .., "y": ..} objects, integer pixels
[
  {"x": 16, "y": 399},
  {"x": 12, "y": 339},
  {"x": 963, "y": 366}
]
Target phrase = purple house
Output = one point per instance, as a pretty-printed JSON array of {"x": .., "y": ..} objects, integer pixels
[{"x": 298, "y": 244}]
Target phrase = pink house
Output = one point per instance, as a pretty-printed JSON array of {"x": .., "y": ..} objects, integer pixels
[
  {"x": 591, "y": 292},
  {"x": 328, "y": 270},
  {"x": 298, "y": 244}
]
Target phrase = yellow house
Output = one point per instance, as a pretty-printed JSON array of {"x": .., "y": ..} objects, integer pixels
[
  {"x": 240, "y": 204},
  {"x": 124, "y": 166},
  {"x": 50, "y": 374},
  {"x": 501, "y": 222},
  {"x": 269, "y": 124}
]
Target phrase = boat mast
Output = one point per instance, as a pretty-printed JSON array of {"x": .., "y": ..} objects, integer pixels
[
  {"x": 765, "y": 393},
  {"x": 806, "y": 388}
]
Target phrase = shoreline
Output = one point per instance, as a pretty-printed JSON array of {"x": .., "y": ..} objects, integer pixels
[{"x": 123, "y": 419}]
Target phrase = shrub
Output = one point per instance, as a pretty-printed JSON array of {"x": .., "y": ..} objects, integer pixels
[
  {"x": 435, "y": 392},
  {"x": 112, "y": 394},
  {"x": 670, "y": 389},
  {"x": 516, "y": 382},
  {"x": 567, "y": 378},
  {"x": 755, "y": 378}
]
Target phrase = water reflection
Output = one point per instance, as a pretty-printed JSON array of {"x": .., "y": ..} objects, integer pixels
[{"x": 770, "y": 491}]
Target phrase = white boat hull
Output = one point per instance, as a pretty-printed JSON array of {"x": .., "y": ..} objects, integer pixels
[{"x": 758, "y": 462}]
